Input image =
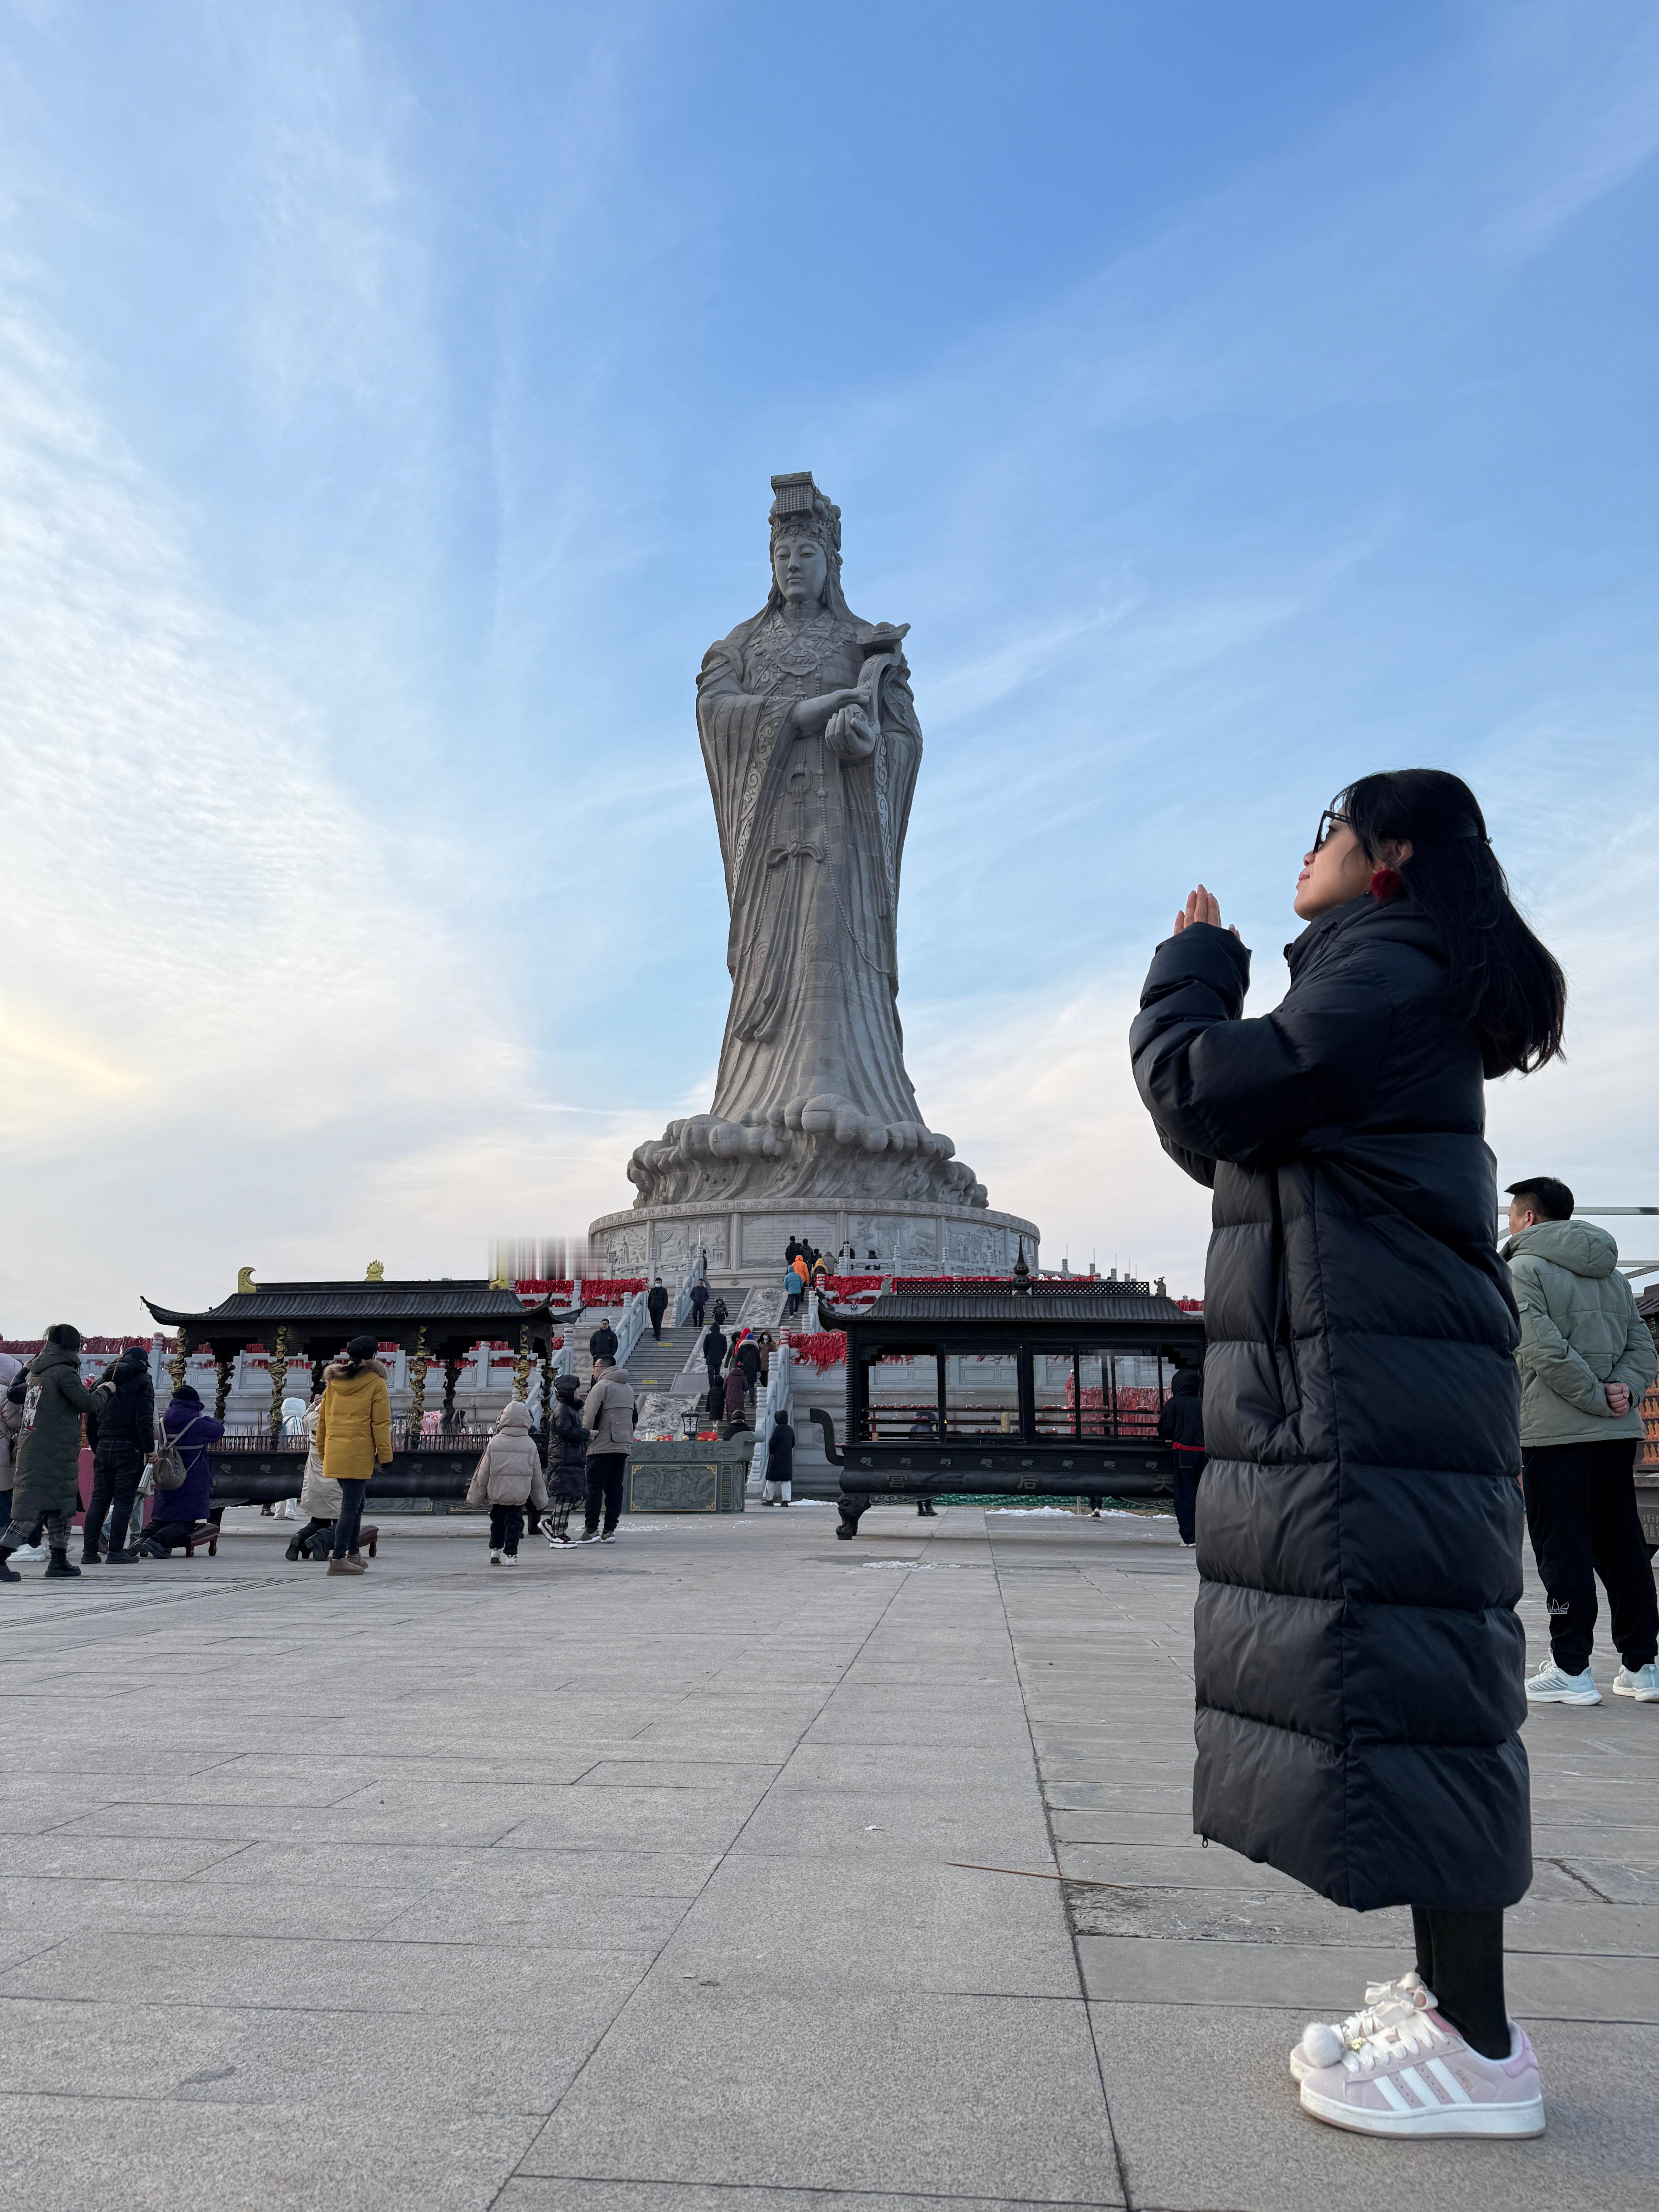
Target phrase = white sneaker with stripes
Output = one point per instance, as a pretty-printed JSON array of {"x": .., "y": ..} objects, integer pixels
[{"x": 1420, "y": 2078}]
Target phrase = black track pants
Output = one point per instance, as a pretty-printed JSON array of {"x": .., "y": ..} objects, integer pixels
[
  {"x": 605, "y": 1486},
  {"x": 115, "y": 1475},
  {"x": 1581, "y": 1512},
  {"x": 1188, "y": 1467}
]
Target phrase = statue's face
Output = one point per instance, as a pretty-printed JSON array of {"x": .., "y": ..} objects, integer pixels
[{"x": 799, "y": 565}]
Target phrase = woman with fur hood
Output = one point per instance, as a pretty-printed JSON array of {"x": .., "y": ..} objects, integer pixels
[
  {"x": 353, "y": 1437},
  {"x": 508, "y": 1472}
]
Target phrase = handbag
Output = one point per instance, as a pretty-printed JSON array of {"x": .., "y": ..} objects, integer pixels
[{"x": 167, "y": 1469}]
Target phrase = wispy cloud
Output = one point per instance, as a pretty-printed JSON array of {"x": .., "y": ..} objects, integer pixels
[
  {"x": 219, "y": 1004},
  {"x": 1598, "y": 126}
]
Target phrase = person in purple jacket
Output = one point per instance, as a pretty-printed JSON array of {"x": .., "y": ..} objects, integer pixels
[{"x": 174, "y": 1513}]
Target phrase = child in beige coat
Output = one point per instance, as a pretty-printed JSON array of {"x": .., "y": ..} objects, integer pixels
[{"x": 508, "y": 1472}]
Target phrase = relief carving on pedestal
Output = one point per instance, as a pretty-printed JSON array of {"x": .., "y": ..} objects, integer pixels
[{"x": 974, "y": 1250}]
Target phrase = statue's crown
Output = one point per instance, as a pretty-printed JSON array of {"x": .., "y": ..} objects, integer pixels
[{"x": 798, "y": 502}]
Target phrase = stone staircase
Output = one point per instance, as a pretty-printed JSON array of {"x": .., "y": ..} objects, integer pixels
[
  {"x": 671, "y": 1376},
  {"x": 667, "y": 1377}
]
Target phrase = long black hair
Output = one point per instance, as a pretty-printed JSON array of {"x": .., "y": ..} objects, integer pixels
[{"x": 1510, "y": 986}]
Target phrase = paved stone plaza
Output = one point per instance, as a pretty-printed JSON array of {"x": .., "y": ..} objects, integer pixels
[{"x": 624, "y": 1879}]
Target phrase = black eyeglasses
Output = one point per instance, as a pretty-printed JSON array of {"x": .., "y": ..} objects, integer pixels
[{"x": 1329, "y": 820}]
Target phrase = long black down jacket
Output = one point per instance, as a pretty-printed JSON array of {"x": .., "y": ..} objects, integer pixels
[{"x": 1359, "y": 1664}]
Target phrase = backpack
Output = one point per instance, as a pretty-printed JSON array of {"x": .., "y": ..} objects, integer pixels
[{"x": 167, "y": 1468}]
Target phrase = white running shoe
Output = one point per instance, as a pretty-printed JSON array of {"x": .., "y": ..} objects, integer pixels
[
  {"x": 494, "y": 1558},
  {"x": 1422, "y": 2079},
  {"x": 1641, "y": 1683},
  {"x": 509, "y": 1558},
  {"x": 1387, "y": 2003},
  {"x": 1550, "y": 1686}
]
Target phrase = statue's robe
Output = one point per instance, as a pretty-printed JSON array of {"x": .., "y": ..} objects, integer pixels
[{"x": 811, "y": 835}]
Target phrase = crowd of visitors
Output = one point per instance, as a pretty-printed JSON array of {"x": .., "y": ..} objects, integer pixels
[{"x": 804, "y": 1269}]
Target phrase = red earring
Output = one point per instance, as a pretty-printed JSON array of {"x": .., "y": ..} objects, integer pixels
[{"x": 1386, "y": 884}]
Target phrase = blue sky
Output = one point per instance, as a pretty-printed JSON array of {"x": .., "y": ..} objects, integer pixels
[{"x": 1232, "y": 400}]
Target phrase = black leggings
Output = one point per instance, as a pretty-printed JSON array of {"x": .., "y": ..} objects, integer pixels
[
  {"x": 1460, "y": 1956},
  {"x": 350, "y": 1519}
]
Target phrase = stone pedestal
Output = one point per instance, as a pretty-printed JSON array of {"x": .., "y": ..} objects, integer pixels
[
  {"x": 689, "y": 1477},
  {"x": 744, "y": 1240}
]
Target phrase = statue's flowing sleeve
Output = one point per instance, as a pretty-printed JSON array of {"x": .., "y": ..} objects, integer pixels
[
  {"x": 901, "y": 730},
  {"x": 740, "y": 734}
]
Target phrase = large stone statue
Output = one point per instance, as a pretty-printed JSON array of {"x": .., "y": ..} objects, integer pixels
[{"x": 812, "y": 743}]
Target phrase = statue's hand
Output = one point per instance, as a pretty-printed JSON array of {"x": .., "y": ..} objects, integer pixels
[
  {"x": 810, "y": 716},
  {"x": 848, "y": 733}
]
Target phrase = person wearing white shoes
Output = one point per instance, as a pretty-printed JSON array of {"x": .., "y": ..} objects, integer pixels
[
  {"x": 778, "y": 1487},
  {"x": 608, "y": 1416},
  {"x": 509, "y": 1471},
  {"x": 1358, "y": 1664},
  {"x": 1586, "y": 1362}
]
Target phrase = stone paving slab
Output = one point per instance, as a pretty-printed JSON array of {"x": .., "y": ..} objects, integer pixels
[{"x": 631, "y": 1883}]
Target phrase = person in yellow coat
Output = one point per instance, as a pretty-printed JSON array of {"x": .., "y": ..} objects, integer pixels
[{"x": 353, "y": 1437}]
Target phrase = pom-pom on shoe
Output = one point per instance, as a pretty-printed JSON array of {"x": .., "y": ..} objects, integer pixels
[{"x": 1324, "y": 2041}]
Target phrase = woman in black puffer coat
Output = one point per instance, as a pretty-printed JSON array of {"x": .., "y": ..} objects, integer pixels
[{"x": 1358, "y": 1662}]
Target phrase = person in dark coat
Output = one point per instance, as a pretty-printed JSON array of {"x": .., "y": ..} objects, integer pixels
[
  {"x": 1359, "y": 1667},
  {"x": 1181, "y": 1424},
  {"x": 174, "y": 1513},
  {"x": 602, "y": 1345},
  {"x": 656, "y": 1304},
  {"x": 713, "y": 1353},
  {"x": 122, "y": 1433},
  {"x": 46, "y": 1485},
  {"x": 747, "y": 1355},
  {"x": 714, "y": 1403},
  {"x": 699, "y": 1300},
  {"x": 718, "y": 1313},
  {"x": 735, "y": 1400},
  {"x": 780, "y": 1462},
  {"x": 567, "y": 1459}
]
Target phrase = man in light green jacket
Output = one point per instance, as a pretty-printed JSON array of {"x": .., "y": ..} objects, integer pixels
[{"x": 1586, "y": 1362}]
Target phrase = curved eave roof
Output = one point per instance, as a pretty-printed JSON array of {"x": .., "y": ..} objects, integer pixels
[
  {"x": 400, "y": 1304},
  {"x": 1081, "y": 1310}
]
